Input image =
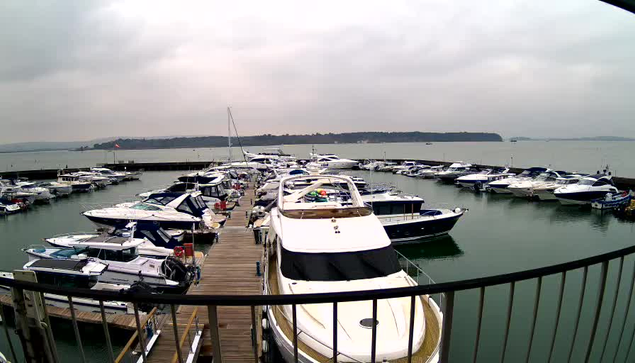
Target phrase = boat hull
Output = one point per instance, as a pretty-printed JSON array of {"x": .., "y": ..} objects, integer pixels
[
  {"x": 402, "y": 230},
  {"x": 581, "y": 198}
]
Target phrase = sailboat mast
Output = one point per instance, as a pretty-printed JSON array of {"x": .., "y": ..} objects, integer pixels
[{"x": 229, "y": 135}]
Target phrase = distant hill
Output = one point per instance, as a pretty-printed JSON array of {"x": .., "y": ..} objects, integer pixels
[
  {"x": 48, "y": 145},
  {"x": 268, "y": 139}
]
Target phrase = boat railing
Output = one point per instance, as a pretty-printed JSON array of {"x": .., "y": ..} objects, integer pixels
[{"x": 601, "y": 286}]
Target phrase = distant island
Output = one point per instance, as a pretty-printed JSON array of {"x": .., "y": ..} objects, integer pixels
[{"x": 317, "y": 138}]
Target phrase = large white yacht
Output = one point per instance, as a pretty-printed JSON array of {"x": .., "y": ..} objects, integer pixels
[
  {"x": 324, "y": 239},
  {"x": 332, "y": 161},
  {"x": 454, "y": 171},
  {"x": 586, "y": 190},
  {"x": 501, "y": 186},
  {"x": 546, "y": 191},
  {"x": 525, "y": 188},
  {"x": 477, "y": 181}
]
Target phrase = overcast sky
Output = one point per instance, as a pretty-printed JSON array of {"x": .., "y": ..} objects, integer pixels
[{"x": 79, "y": 70}]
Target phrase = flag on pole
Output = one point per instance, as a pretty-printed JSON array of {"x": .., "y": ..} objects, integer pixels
[{"x": 117, "y": 146}]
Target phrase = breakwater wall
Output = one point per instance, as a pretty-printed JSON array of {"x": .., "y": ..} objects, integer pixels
[{"x": 621, "y": 182}]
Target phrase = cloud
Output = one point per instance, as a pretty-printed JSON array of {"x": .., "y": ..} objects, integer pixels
[{"x": 81, "y": 70}]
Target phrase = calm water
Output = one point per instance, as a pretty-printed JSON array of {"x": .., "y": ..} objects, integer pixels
[
  {"x": 499, "y": 234},
  {"x": 572, "y": 155}
]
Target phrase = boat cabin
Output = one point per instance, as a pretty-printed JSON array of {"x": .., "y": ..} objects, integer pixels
[{"x": 67, "y": 273}]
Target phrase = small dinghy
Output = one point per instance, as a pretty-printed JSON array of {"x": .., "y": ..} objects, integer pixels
[{"x": 612, "y": 201}]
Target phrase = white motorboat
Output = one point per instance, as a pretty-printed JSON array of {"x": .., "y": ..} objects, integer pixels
[
  {"x": 10, "y": 191},
  {"x": 79, "y": 184},
  {"x": 454, "y": 171},
  {"x": 525, "y": 188},
  {"x": 324, "y": 242},
  {"x": 404, "y": 219},
  {"x": 154, "y": 242},
  {"x": 57, "y": 189},
  {"x": 500, "y": 186},
  {"x": 546, "y": 191},
  {"x": 477, "y": 181},
  {"x": 332, "y": 161},
  {"x": 83, "y": 274},
  {"x": 586, "y": 190},
  {"x": 184, "y": 211},
  {"x": 115, "y": 177},
  {"x": 431, "y": 172},
  {"x": 96, "y": 179},
  {"x": 42, "y": 195},
  {"x": 400, "y": 169},
  {"x": 125, "y": 265}
]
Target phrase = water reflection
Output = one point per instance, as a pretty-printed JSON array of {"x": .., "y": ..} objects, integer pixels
[
  {"x": 573, "y": 214},
  {"x": 440, "y": 248}
]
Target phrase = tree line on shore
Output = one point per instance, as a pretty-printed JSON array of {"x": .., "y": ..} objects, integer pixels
[{"x": 317, "y": 138}]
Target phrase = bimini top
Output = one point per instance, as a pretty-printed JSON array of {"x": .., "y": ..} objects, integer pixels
[
  {"x": 190, "y": 203},
  {"x": 320, "y": 196},
  {"x": 67, "y": 267}
]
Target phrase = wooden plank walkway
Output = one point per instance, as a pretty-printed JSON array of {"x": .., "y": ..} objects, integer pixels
[{"x": 229, "y": 269}]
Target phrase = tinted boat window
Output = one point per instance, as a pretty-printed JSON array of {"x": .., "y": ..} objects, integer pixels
[{"x": 339, "y": 266}]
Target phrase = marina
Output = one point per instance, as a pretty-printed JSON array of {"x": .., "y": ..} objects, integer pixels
[{"x": 232, "y": 265}]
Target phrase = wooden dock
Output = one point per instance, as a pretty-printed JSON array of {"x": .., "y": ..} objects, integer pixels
[{"x": 229, "y": 269}]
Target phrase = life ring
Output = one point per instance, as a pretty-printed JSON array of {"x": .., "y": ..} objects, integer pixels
[{"x": 179, "y": 251}]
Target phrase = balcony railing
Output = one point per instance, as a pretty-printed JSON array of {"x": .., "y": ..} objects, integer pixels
[{"x": 614, "y": 323}]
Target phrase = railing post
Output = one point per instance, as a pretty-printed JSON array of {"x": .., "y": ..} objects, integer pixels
[
  {"x": 480, "y": 320},
  {"x": 373, "y": 347},
  {"x": 563, "y": 281},
  {"x": 142, "y": 341},
  {"x": 577, "y": 320},
  {"x": 627, "y": 310},
  {"x": 446, "y": 332},
  {"x": 598, "y": 309},
  {"x": 411, "y": 330},
  {"x": 335, "y": 326},
  {"x": 615, "y": 297},
  {"x": 212, "y": 313},
  {"x": 76, "y": 329},
  {"x": 510, "y": 308},
  {"x": 175, "y": 328},
  {"x": 533, "y": 321},
  {"x": 104, "y": 323},
  {"x": 294, "y": 314},
  {"x": 254, "y": 336}
]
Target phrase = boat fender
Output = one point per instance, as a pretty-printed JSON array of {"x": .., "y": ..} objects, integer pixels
[
  {"x": 198, "y": 274},
  {"x": 179, "y": 251},
  {"x": 265, "y": 346},
  {"x": 265, "y": 324}
]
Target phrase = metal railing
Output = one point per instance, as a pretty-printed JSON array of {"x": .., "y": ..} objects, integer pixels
[{"x": 617, "y": 318}]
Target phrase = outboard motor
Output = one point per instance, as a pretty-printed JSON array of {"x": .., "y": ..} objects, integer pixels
[
  {"x": 176, "y": 270},
  {"x": 143, "y": 288}
]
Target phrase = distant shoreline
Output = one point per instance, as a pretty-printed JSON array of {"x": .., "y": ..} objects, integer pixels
[{"x": 308, "y": 139}]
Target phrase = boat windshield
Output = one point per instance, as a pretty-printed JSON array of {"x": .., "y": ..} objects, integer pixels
[
  {"x": 587, "y": 181},
  {"x": 339, "y": 266},
  {"x": 145, "y": 206},
  {"x": 126, "y": 255},
  {"x": 59, "y": 279}
]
